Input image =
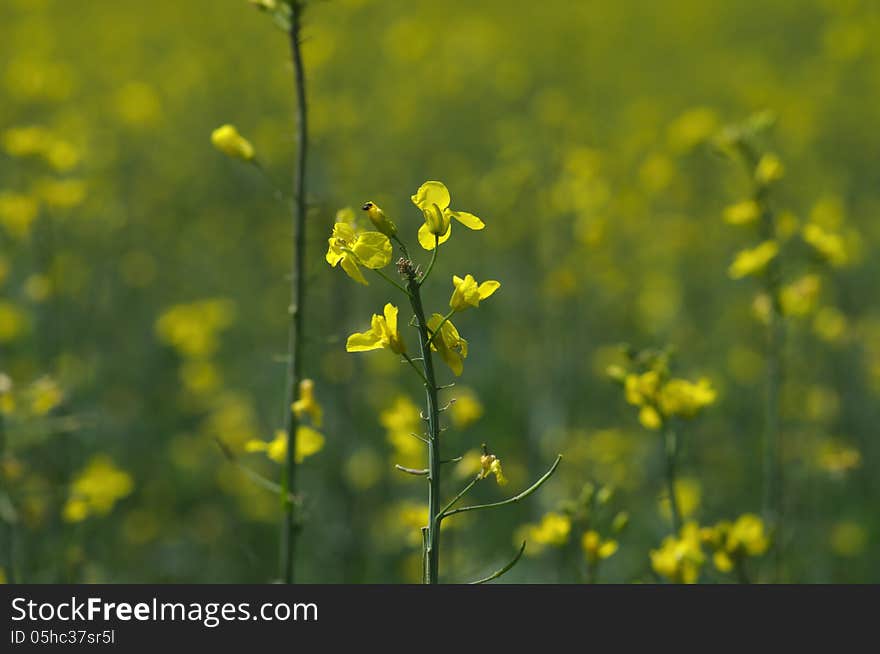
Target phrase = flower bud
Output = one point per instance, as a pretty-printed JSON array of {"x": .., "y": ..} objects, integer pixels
[
  {"x": 380, "y": 221},
  {"x": 227, "y": 139}
]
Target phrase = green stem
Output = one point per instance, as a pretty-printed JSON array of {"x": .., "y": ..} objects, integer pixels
[
  {"x": 433, "y": 259},
  {"x": 511, "y": 500},
  {"x": 503, "y": 570},
  {"x": 775, "y": 340},
  {"x": 289, "y": 527},
  {"x": 463, "y": 492},
  {"x": 670, "y": 448},
  {"x": 432, "y": 535},
  {"x": 415, "y": 367},
  {"x": 391, "y": 281}
]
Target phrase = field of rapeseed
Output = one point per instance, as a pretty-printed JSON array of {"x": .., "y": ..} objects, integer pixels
[{"x": 616, "y": 261}]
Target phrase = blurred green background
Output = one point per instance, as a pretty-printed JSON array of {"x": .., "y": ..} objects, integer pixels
[{"x": 576, "y": 130}]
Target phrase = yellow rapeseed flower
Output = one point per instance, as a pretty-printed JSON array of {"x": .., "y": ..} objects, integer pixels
[
  {"x": 307, "y": 404},
  {"x": 680, "y": 558},
  {"x": 553, "y": 530},
  {"x": 828, "y": 245},
  {"x": 769, "y": 169},
  {"x": 433, "y": 199},
  {"x": 468, "y": 293},
  {"x": 596, "y": 548},
  {"x": 308, "y": 442},
  {"x": 96, "y": 489},
  {"x": 680, "y": 397},
  {"x": 227, "y": 139},
  {"x": 350, "y": 250},
  {"x": 742, "y": 213},
  {"x": 382, "y": 333},
  {"x": 753, "y": 261},
  {"x": 451, "y": 347},
  {"x": 491, "y": 465}
]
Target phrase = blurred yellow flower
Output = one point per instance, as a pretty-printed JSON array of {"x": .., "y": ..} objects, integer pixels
[
  {"x": 735, "y": 541},
  {"x": 350, "y": 250},
  {"x": 308, "y": 442},
  {"x": 595, "y": 548},
  {"x": 680, "y": 397},
  {"x": 307, "y": 404},
  {"x": 742, "y": 213},
  {"x": 17, "y": 213},
  {"x": 769, "y": 169},
  {"x": 433, "y": 199},
  {"x": 228, "y": 141},
  {"x": 680, "y": 559},
  {"x": 828, "y": 245},
  {"x": 553, "y": 530},
  {"x": 451, "y": 347},
  {"x": 44, "y": 395},
  {"x": 836, "y": 457},
  {"x": 753, "y": 261},
  {"x": 383, "y": 333},
  {"x": 192, "y": 329},
  {"x": 13, "y": 322},
  {"x": 466, "y": 409},
  {"x": 800, "y": 296},
  {"x": 688, "y": 495},
  {"x": 468, "y": 293},
  {"x": 96, "y": 489}
]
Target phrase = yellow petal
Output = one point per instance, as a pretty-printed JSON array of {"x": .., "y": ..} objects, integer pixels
[
  {"x": 426, "y": 238},
  {"x": 391, "y": 312},
  {"x": 469, "y": 220},
  {"x": 363, "y": 342},
  {"x": 431, "y": 193},
  {"x": 607, "y": 549},
  {"x": 373, "y": 250},
  {"x": 352, "y": 270},
  {"x": 308, "y": 442},
  {"x": 334, "y": 252},
  {"x": 488, "y": 288}
]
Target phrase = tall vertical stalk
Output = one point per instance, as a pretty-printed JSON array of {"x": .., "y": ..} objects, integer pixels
[
  {"x": 289, "y": 525},
  {"x": 670, "y": 449},
  {"x": 775, "y": 336},
  {"x": 432, "y": 535}
]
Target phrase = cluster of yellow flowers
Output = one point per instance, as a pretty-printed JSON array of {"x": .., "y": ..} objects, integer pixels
[
  {"x": 660, "y": 397},
  {"x": 96, "y": 489},
  {"x": 680, "y": 558},
  {"x": 309, "y": 440},
  {"x": 351, "y": 249}
]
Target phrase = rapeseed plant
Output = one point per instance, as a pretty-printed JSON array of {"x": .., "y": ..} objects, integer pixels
[{"x": 352, "y": 249}]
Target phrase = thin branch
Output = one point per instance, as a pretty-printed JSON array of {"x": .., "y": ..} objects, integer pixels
[
  {"x": 460, "y": 495},
  {"x": 252, "y": 474},
  {"x": 500, "y": 572},
  {"x": 418, "y": 472},
  {"x": 512, "y": 500}
]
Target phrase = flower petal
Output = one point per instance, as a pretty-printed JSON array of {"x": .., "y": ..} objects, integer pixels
[
  {"x": 308, "y": 441},
  {"x": 391, "y": 312},
  {"x": 352, "y": 270},
  {"x": 488, "y": 288},
  {"x": 431, "y": 193},
  {"x": 373, "y": 249},
  {"x": 469, "y": 220},
  {"x": 426, "y": 238},
  {"x": 363, "y": 342}
]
